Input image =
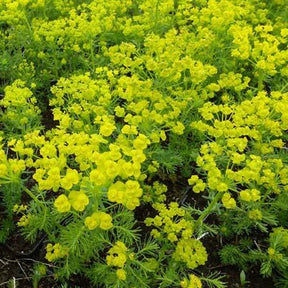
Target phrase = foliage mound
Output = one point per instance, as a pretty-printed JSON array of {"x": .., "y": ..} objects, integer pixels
[{"x": 106, "y": 104}]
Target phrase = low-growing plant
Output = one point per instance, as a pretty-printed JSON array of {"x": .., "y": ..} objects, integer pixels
[{"x": 108, "y": 105}]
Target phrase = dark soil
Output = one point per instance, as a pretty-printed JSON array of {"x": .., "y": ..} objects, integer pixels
[
  {"x": 17, "y": 265},
  {"x": 19, "y": 270},
  {"x": 232, "y": 273}
]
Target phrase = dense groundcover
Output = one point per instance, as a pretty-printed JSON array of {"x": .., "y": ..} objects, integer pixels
[{"x": 144, "y": 142}]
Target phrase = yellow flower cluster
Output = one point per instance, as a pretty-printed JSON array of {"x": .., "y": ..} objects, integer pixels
[
  {"x": 228, "y": 201},
  {"x": 77, "y": 199},
  {"x": 24, "y": 220},
  {"x": 19, "y": 208},
  {"x": 20, "y": 105},
  {"x": 121, "y": 274},
  {"x": 13, "y": 12},
  {"x": 55, "y": 252},
  {"x": 199, "y": 185},
  {"x": 232, "y": 159},
  {"x": 117, "y": 256},
  {"x": 283, "y": 232},
  {"x": 62, "y": 204},
  {"x": 10, "y": 169},
  {"x": 99, "y": 219},
  {"x": 126, "y": 194},
  {"x": 274, "y": 255},
  {"x": 193, "y": 282},
  {"x": 255, "y": 214},
  {"x": 156, "y": 193},
  {"x": 170, "y": 222},
  {"x": 53, "y": 178},
  {"x": 67, "y": 31},
  {"x": 190, "y": 251},
  {"x": 250, "y": 195}
]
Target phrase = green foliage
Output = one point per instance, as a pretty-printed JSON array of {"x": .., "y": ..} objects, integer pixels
[
  {"x": 126, "y": 228},
  {"x": 7, "y": 226},
  {"x": 214, "y": 280},
  {"x": 10, "y": 195},
  {"x": 169, "y": 159},
  {"x": 232, "y": 255}
]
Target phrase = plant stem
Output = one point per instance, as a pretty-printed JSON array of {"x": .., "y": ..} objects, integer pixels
[
  {"x": 92, "y": 55},
  {"x": 260, "y": 81},
  {"x": 208, "y": 210},
  {"x": 33, "y": 196}
]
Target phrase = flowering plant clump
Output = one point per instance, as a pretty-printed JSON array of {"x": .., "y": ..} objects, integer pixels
[{"x": 143, "y": 131}]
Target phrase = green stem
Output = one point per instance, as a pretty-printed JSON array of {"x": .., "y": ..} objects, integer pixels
[
  {"x": 92, "y": 55},
  {"x": 208, "y": 210},
  {"x": 137, "y": 277},
  {"x": 260, "y": 81},
  {"x": 33, "y": 196},
  {"x": 156, "y": 14},
  {"x": 28, "y": 24},
  {"x": 285, "y": 86}
]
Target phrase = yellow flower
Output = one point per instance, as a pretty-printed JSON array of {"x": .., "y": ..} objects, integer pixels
[
  {"x": 200, "y": 186},
  {"x": 91, "y": 222},
  {"x": 237, "y": 158},
  {"x": 245, "y": 195},
  {"x": 250, "y": 195},
  {"x": 141, "y": 142},
  {"x": 117, "y": 255},
  {"x": 107, "y": 129},
  {"x": 255, "y": 214},
  {"x": 99, "y": 219},
  {"x": 172, "y": 237},
  {"x": 127, "y": 194},
  {"x": 121, "y": 274},
  {"x": 138, "y": 156},
  {"x": 71, "y": 177},
  {"x": 228, "y": 201},
  {"x": 79, "y": 200},
  {"x": 190, "y": 251},
  {"x": 55, "y": 252},
  {"x": 195, "y": 282},
  {"x": 62, "y": 204},
  {"x": 105, "y": 221},
  {"x": 119, "y": 112},
  {"x": 271, "y": 251},
  {"x": 129, "y": 129},
  {"x": 178, "y": 128},
  {"x": 116, "y": 192},
  {"x": 193, "y": 179},
  {"x": 184, "y": 283},
  {"x": 97, "y": 177},
  {"x": 112, "y": 169},
  {"x": 222, "y": 187},
  {"x": 24, "y": 220}
]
